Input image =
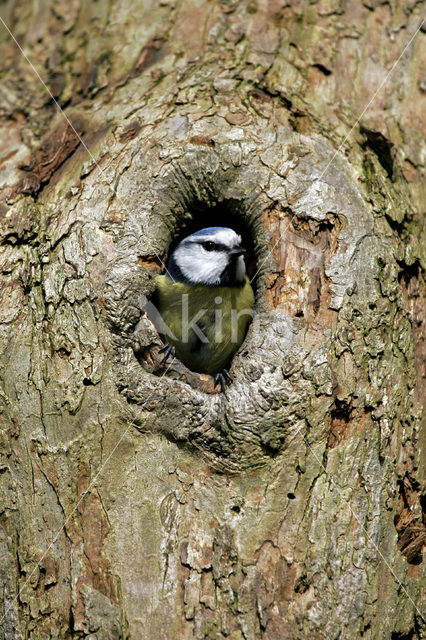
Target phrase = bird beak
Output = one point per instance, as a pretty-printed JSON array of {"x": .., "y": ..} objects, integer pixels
[{"x": 237, "y": 251}]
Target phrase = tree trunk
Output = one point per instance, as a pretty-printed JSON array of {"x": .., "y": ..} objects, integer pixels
[{"x": 137, "y": 502}]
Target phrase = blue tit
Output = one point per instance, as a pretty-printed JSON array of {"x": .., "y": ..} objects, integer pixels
[{"x": 205, "y": 301}]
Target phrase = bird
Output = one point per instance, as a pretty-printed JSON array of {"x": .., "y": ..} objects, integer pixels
[{"x": 205, "y": 301}]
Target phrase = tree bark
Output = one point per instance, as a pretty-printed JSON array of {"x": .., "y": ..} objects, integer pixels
[{"x": 137, "y": 502}]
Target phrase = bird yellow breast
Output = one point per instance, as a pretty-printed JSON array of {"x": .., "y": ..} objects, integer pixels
[{"x": 205, "y": 324}]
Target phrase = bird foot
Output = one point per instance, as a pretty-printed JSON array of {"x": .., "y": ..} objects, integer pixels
[
  {"x": 222, "y": 378},
  {"x": 169, "y": 352}
]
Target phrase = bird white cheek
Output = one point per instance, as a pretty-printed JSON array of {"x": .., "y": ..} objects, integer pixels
[
  {"x": 201, "y": 269},
  {"x": 240, "y": 271}
]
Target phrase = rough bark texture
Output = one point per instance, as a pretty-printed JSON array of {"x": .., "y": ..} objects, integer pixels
[{"x": 136, "y": 501}]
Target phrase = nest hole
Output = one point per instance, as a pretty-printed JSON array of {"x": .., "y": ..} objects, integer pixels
[{"x": 197, "y": 216}]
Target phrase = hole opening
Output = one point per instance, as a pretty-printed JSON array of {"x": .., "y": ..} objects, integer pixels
[{"x": 196, "y": 216}]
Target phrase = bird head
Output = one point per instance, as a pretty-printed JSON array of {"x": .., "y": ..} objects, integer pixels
[{"x": 212, "y": 256}]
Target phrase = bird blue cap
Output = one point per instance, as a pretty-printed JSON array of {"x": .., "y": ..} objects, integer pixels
[{"x": 208, "y": 231}]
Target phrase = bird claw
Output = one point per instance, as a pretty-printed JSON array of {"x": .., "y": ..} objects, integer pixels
[
  {"x": 222, "y": 378},
  {"x": 169, "y": 351}
]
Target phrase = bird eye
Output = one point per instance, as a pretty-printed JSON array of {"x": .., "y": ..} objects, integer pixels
[{"x": 209, "y": 246}]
